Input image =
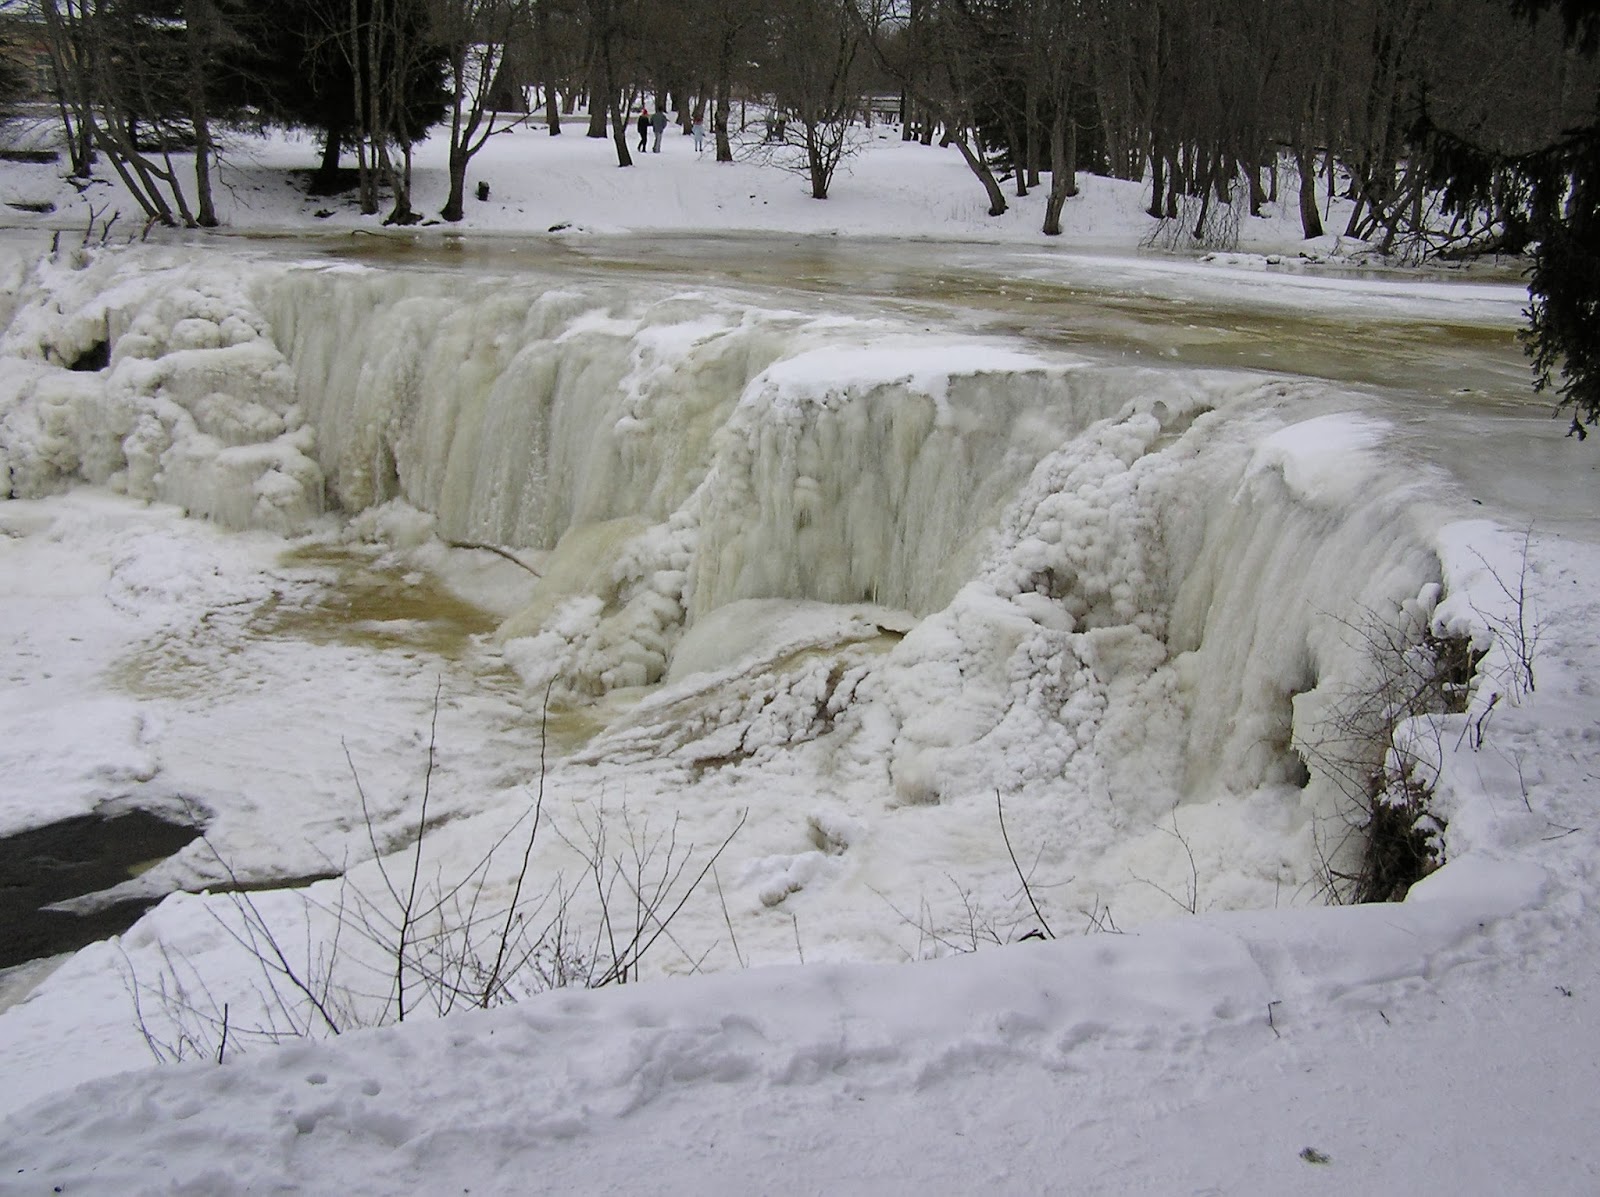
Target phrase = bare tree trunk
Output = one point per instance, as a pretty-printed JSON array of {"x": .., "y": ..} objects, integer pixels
[
  {"x": 455, "y": 204},
  {"x": 547, "y": 71},
  {"x": 1199, "y": 230},
  {"x": 169, "y": 176},
  {"x": 463, "y": 124},
  {"x": 325, "y": 181},
  {"x": 913, "y": 34},
  {"x": 1158, "y": 181},
  {"x": 725, "y": 48},
  {"x": 403, "y": 212},
  {"x": 619, "y": 132},
  {"x": 363, "y": 110},
  {"x": 199, "y": 22},
  {"x": 1310, "y": 215},
  {"x": 1063, "y": 168},
  {"x": 1258, "y": 193},
  {"x": 71, "y": 66},
  {"x": 600, "y": 96},
  {"x": 1030, "y": 136},
  {"x": 122, "y": 149},
  {"x": 976, "y": 164},
  {"x": 816, "y": 168},
  {"x": 388, "y": 43}
]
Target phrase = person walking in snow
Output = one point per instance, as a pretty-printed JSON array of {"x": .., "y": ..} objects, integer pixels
[
  {"x": 658, "y": 122},
  {"x": 699, "y": 131},
  {"x": 644, "y": 127}
]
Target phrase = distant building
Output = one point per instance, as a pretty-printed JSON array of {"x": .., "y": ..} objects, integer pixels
[{"x": 880, "y": 108}]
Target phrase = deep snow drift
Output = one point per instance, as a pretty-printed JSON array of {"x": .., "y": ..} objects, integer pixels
[{"x": 859, "y": 576}]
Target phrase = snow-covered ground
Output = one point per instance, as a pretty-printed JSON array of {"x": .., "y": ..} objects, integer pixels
[
  {"x": 571, "y": 185},
  {"x": 676, "y": 524}
]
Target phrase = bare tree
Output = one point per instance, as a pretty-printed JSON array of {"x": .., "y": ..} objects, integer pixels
[
  {"x": 475, "y": 34},
  {"x": 609, "y": 22},
  {"x": 1060, "y": 63},
  {"x": 72, "y": 49},
  {"x": 729, "y": 26},
  {"x": 131, "y": 83},
  {"x": 808, "y": 67},
  {"x": 940, "y": 68},
  {"x": 395, "y": 71},
  {"x": 205, "y": 33}
]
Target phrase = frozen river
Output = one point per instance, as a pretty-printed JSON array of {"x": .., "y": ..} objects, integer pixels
[
  {"x": 857, "y": 542},
  {"x": 1438, "y": 349},
  {"x": 1406, "y": 329}
]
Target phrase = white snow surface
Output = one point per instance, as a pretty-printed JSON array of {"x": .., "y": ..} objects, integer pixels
[{"x": 853, "y": 547}]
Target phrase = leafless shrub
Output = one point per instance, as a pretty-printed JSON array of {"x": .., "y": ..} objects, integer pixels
[
  {"x": 1517, "y": 628},
  {"x": 433, "y": 945},
  {"x": 969, "y": 924},
  {"x": 1203, "y": 221},
  {"x": 1189, "y": 898},
  {"x": 812, "y": 150},
  {"x": 972, "y": 926},
  {"x": 1382, "y": 746},
  {"x": 1023, "y": 878},
  {"x": 1098, "y": 920}
]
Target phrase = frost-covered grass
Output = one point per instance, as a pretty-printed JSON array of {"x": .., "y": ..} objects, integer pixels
[{"x": 848, "y": 562}]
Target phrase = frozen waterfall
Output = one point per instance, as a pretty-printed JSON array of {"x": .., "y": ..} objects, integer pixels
[{"x": 943, "y": 567}]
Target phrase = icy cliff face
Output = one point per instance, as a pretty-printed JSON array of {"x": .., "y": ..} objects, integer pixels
[
  {"x": 1099, "y": 588},
  {"x": 674, "y": 452},
  {"x": 819, "y": 457}
]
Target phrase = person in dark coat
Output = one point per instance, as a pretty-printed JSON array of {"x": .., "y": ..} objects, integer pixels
[
  {"x": 658, "y": 122},
  {"x": 643, "y": 126}
]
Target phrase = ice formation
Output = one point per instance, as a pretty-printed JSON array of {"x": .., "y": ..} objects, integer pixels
[
  {"x": 158, "y": 383},
  {"x": 942, "y": 570}
]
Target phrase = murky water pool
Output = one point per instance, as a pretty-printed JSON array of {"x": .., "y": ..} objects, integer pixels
[
  {"x": 326, "y": 593},
  {"x": 68, "y": 859},
  {"x": 361, "y": 601}
]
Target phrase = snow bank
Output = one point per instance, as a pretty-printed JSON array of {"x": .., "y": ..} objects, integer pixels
[{"x": 487, "y": 1101}]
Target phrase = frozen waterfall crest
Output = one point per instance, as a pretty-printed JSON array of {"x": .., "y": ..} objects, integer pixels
[{"x": 974, "y": 567}]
